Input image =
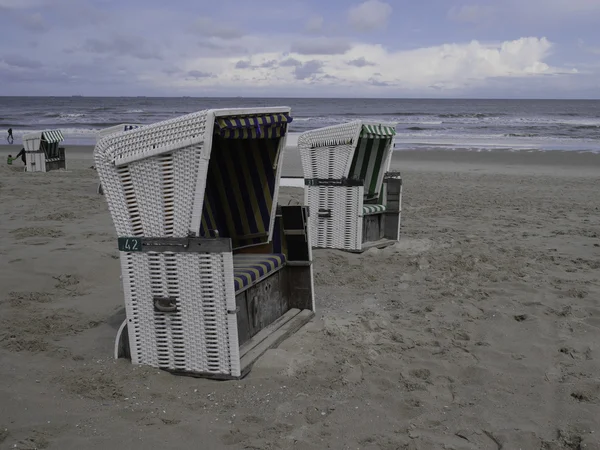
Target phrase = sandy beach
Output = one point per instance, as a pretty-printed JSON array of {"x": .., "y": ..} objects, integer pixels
[{"x": 479, "y": 330}]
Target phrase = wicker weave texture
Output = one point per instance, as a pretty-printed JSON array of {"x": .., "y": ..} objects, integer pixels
[
  {"x": 321, "y": 159},
  {"x": 198, "y": 337},
  {"x": 331, "y": 161},
  {"x": 160, "y": 137},
  {"x": 343, "y": 230}
]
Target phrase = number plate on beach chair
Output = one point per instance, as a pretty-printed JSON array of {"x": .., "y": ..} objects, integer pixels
[{"x": 130, "y": 244}]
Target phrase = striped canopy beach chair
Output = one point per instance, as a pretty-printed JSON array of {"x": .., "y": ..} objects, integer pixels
[
  {"x": 121, "y": 128},
  {"x": 354, "y": 202},
  {"x": 42, "y": 152},
  {"x": 214, "y": 271}
]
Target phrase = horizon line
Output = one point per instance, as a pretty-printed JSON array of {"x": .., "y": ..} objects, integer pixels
[{"x": 303, "y": 98}]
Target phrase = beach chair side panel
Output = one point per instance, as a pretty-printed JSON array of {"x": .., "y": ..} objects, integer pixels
[
  {"x": 177, "y": 317},
  {"x": 335, "y": 216}
]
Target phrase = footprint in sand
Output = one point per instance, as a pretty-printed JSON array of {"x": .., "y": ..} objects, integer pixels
[
  {"x": 58, "y": 217},
  {"x": 18, "y": 299},
  {"x": 30, "y": 232}
]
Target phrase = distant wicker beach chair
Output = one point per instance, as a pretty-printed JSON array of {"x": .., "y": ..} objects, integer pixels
[
  {"x": 214, "y": 271},
  {"x": 354, "y": 202},
  {"x": 121, "y": 128},
  {"x": 42, "y": 152}
]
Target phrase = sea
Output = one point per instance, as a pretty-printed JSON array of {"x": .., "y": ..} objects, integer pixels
[{"x": 479, "y": 125}]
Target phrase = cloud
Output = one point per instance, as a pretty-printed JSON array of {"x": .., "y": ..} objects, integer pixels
[
  {"x": 320, "y": 46},
  {"x": 369, "y": 16},
  {"x": 308, "y": 69},
  {"x": 290, "y": 62},
  {"x": 375, "y": 82},
  {"x": 199, "y": 74},
  {"x": 263, "y": 65},
  {"x": 21, "y": 62},
  {"x": 215, "y": 28},
  {"x": 471, "y": 13},
  {"x": 268, "y": 64},
  {"x": 123, "y": 46},
  {"x": 447, "y": 67},
  {"x": 314, "y": 24},
  {"x": 242, "y": 65},
  {"x": 171, "y": 70},
  {"x": 360, "y": 62}
]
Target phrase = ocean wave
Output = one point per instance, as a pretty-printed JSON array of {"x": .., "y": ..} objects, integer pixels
[
  {"x": 587, "y": 127},
  {"x": 62, "y": 114},
  {"x": 134, "y": 111},
  {"x": 521, "y": 135},
  {"x": 426, "y": 122},
  {"x": 390, "y": 114},
  {"x": 470, "y": 115},
  {"x": 417, "y": 129}
]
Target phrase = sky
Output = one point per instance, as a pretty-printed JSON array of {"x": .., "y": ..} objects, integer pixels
[{"x": 301, "y": 48}]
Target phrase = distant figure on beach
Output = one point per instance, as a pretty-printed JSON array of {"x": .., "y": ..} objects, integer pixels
[
  {"x": 9, "y": 160},
  {"x": 9, "y": 138},
  {"x": 22, "y": 155}
]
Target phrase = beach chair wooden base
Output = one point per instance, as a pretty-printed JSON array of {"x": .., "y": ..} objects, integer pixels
[
  {"x": 382, "y": 243},
  {"x": 268, "y": 338}
]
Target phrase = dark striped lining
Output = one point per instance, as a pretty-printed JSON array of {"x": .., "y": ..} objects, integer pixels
[
  {"x": 367, "y": 164},
  {"x": 239, "y": 190}
]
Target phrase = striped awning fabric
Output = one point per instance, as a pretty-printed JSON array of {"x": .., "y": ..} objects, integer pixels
[
  {"x": 368, "y": 161},
  {"x": 252, "y": 127},
  {"x": 52, "y": 136},
  {"x": 373, "y": 209},
  {"x": 377, "y": 131}
]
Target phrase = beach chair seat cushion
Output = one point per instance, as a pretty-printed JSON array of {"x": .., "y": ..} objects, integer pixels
[
  {"x": 373, "y": 209},
  {"x": 248, "y": 269}
]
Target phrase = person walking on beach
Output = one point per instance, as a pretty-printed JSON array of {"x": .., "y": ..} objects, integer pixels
[
  {"x": 9, "y": 160},
  {"x": 9, "y": 138}
]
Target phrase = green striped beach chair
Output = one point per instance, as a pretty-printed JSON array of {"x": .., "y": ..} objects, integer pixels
[
  {"x": 42, "y": 153},
  {"x": 214, "y": 271},
  {"x": 353, "y": 199}
]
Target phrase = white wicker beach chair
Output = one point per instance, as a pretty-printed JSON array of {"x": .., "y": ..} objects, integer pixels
[
  {"x": 42, "y": 152},
  {"x": 121, "y": 128},
  {"x": 214, "y": 272},
  {"x": 354, "y": 202}
]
